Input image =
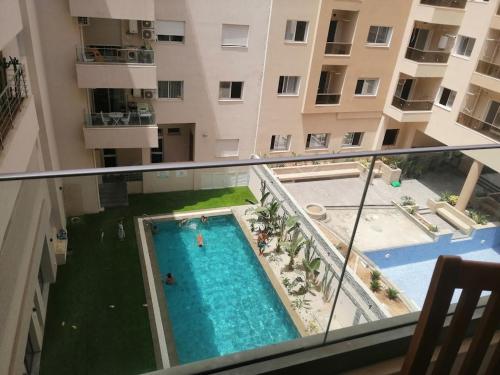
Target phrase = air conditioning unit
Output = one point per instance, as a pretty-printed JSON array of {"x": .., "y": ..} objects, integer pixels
[
  {"x": 133, "y": 27},
  {"x": 83, "y": 21},
  {"x": 148, "y": 24},
  {"x": 148, "y": 94},
  {"x": 148, "y": 34}
]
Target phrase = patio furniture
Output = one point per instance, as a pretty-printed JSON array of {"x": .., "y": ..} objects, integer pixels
[
  {"x": 105, "y": 119},
  {"x": 126, "y": 119},
  {"x": 450, "y": 273},
  {"x": 115, "y": 116},
  {"x": 144, "y": 113}
]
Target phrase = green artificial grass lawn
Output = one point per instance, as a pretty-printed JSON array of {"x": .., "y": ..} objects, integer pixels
[{"x": 83, "y": 334}]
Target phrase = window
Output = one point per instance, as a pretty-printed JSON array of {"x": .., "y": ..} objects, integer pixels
[
  {"x": 318, "y": 140},
  {"x": 280, "y": 142},
  {"x": 173, "y": 131},
  {"x": 226, "y": 148},
  {"x": 235, "y": 35},
  {"x": 230, "y": 90},
  {"x": 379, "y": 35},
  {"x": 390, "y": 137},
  {"x": 464, "y": 45},
  {"x": 171, "y": 89},
  {"x": 446, "y": 97},
  {"x": 352, "y": 139},
  {"x": 366, "y": 87},
  {"x": 157, "y": 152},
  {"x": 170, "y": 31},
  {"x": 288, "y": 85},
  {"x": 296, "y": 31},
  {"x": 109, "y": 157}
]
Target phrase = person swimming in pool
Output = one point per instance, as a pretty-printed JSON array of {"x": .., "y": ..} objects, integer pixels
[
  {"x": 169, "y": 279},
  {"x": 199, "y": 238},
  {"x": 204, "y": 219},
  {"x": 183, "y": 222}
]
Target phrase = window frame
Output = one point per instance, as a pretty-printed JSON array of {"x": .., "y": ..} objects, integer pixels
[
  {"x": 377, "y": 84},
  {"x": 378, "y": 44},
  {"x": 323, "y": 147},
  {"x": 458, "y": 43},
  {"x": 160, "y": 150},
  {"x": 234, "y": 45},
  {"x": 439, "y": 96},
  {"x": 169, "y": 89},
  {"x": 227, "y": 154},
  {"x": 395, "y": 137},
  {"x": 352, "y": 137},
  {"x": 170, "y": 37},
  {"x": 306, "y": 32},
  {"x": 285, "y": 84},
  {"x": 230, "y": 98},
  {"x": 275, "y": 139}
]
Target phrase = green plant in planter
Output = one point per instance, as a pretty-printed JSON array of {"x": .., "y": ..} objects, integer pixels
[
  {"x": 293, "y": 247},
  {"x": 326, "y": 284},
  {"x": 478, "y": 217},
  {"x": 375, "y": 285},
  {"x": 412, "y": 210},
  {"x": 449, "y": 198},
  {"x": 375, "y": 275},
  {"x": 392, "y": 293},
  {"x": 433, "y": 228},
  {"x": 285, "y": 225},
  {"x": 406, "y": 200},
  {"x": 301, "y": 303},
  {"x": 310, "y": 262}
]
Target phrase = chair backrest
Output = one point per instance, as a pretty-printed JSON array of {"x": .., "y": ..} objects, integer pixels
[
  {"x": 472, "y": 277},
  {"x": 142, "y": 107}
]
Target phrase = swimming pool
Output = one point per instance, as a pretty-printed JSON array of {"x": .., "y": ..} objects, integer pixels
[
  {"x": 410, "y": 268},
  {"x": 222, "y": 301}
]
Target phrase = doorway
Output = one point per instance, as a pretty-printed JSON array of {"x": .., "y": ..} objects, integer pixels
[{"x": 109, "y": 100}]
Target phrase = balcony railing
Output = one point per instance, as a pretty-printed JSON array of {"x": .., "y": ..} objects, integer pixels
[
  {"x": 11, "y": 99},
  {"x": 427, "y": 56},
  {"x": 337, "y": 48},
  {"x": 327, "y": 98},
  {"x": 489, "y": 69},
  {"x": 114, "y": 55},
  {"x": 411, "y": 105},
  {"x": 120, "y": 119},
  {"x": 480, "y": 126},
  {"x": 445, "y": 3}
]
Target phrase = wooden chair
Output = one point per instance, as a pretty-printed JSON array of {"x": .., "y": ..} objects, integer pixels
[{"x": 452, "y": 272}]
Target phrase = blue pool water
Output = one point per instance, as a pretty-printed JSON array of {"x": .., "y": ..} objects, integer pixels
[
  {"x": 222, "y": 301},
  {"x": 411, "y": 267}
]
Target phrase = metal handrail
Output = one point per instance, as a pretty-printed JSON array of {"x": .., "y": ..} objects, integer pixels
[
  {"x": 482, "y": 127},
  {"x": 412, "y": 105},
  {"x": 11, "y": 99},
  {"x": 445, "y": 3},
  {"x": 114, "y": 55},
  {"x": 488, "y": 68},
  {"x": 427, "y": 56},
  {"x": 157, "y": 167},
  {"x": 120, "y": 119},
  {"x": 337, "y": 48}
]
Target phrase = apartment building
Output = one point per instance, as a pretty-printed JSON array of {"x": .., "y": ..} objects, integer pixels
[{"x": 32, "y": 212}]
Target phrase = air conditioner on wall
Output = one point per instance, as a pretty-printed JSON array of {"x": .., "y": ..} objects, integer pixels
[
  {"x": 83, "y": 21},
  {"x": 148, "y": 34},
  {"x": 148, "y": 24},
  {"x": 148, "y": 94}
]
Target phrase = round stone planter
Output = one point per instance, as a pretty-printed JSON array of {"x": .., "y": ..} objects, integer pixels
[{"x": 316, "y": 211}]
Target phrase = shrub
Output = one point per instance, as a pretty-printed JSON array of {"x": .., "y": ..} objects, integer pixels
[
  {"x": 375, "y": 275},
  {"x": 375, "y": 285},
  {"x": 412, "y": 210},
  {"x": 433, "y": 228},
  {"x": 406, "y": 200},
  {"x": 392, "y": 293},
  {"x": 449, "y": 198},
  {"x": 478, "y": 217}
]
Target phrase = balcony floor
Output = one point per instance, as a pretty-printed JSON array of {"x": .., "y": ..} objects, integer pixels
[{"x": 95, "y": 338}]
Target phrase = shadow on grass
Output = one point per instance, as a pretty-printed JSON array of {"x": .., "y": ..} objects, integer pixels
[{"x": 96, "y": 319}]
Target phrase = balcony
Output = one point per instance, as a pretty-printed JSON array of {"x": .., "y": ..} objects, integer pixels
[
  {"x": 441, "y": 12},
  {"x": 115, "y": 9},
  {"x": 116, "y": 68},
  {"x": 341, "y": 32},
  {"x": 11, "y": 99},
  {"x": 120, "y": 130},
  {"x": 426, "y": 56},
  {"x": 460, "y": 4},
  {"x": 327, "y": 98},
  {"x": 330, "y": 84},
  {"x": 486, "y": 129}
]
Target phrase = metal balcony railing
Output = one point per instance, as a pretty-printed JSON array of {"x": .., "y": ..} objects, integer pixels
[
  {"x": 480, "y": 126},
  {"x": 337, "y": 48},
  {"x": 120, "y": 119},
  {"x": 327, "y": 98},
  {"x": 492, "y": 70},
  {"x": 445, "y": 3},
  {"x": 115, "y": 55},
  {"x": 427, "y": 56},
  {"x": 411, "y": 105},
  {"x": 11, "y": 99}
]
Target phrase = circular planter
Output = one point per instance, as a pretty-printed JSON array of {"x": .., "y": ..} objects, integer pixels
[{"x": 316, "y": 211}]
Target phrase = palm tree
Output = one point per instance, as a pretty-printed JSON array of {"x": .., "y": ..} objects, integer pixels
[
  {"x": 293, "y": 247},
  {"x": 285, "y": 225},
  {"x": 310, "y": 263}
]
